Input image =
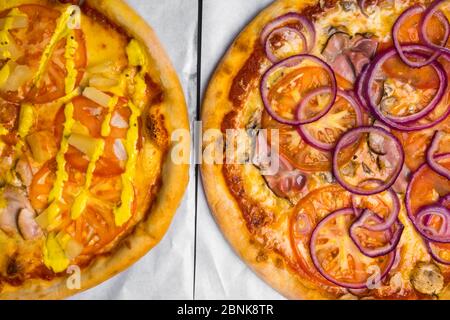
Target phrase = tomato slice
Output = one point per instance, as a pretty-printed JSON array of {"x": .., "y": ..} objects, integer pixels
[
  {"x": 339, "y": 259},
  {"x": 427, "y": 188},
  {"x": 415, "y": 145},
  {"x": 95, "y": 228},
  {"x": 31, "y": 43},
  {"x": 308, "y": 213},
  {"x": 286, "y": 92},
  {"x": 327, "y": 130},
  {"x": 91, "y": 115},
  {"x": 421, "y": 78},
  {"x": 300, "y": 154}
]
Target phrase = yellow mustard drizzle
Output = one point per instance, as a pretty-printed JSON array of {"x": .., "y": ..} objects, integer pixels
[
  {"x": 61, "y": 174},
  {"x": 123, "y": 213},
  {"x": 71, "y": 49},
  {"x": 138, "y": 58},
  {"x": 26, "y": 120},
  {"x": 106, "y": 125},
  {"x": 54, "y": 255},
  {"x": 4, "y": 33},
  {"x": 62, "y": 29},
  {"x": 70, "y": 81},
  {"x": 80, "y": 202},
  {"x": 3, "y": 131},
  {"x": 4, "y": 74}
]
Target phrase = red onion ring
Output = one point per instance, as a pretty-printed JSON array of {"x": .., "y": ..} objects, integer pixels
[
  {"x": 432, "y": 251},
  {"x": 388, "y": 221},
  {"x": 289, "y": 63},
  {"x": 411, "y": 182},
  {"x": 440, "y": 236},
  {"x": 394, "y": 236},
  {"x": 271, "y": 54},
  {"x": 431, "y": 152},
  {"x": 395, "y": 30},
  {"x": 317, "y": 264},
  {"x": 285, "y": 20},
  {"x": 359, "y": 87},
  {"x": 352, "y": 136},
  {"x": 445, "y": 201},
  {"x": 427, "y": 15},
  {"x": 311, "y": 140},
  {"x": 401, "y": 122}
]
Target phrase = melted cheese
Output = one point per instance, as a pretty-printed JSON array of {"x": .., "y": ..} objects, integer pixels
[{"x": 54, "y": 255}]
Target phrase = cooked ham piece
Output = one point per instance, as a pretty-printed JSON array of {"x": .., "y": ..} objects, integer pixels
[
  {"x": 286, "y": 180},
  {"x": 18, "y": 216},
  {"x": 348, "y": 55}
]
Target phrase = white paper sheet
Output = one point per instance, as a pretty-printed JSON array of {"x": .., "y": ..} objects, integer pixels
[
  {"x": 166, "y": 272},
  {"x": 220, "y": 272}
]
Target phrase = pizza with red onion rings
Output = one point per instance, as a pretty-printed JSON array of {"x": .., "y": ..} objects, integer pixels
[{"x": 330, "y": 123}]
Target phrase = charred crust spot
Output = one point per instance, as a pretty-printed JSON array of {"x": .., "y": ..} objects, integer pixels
[
  {"x": 155, "y": 92},
  {"x": 279, "y": 263},
  {"x": 13, "y": 267},
  {"x": 261, "y": 257},
  {"x": 158, "y": 132}
]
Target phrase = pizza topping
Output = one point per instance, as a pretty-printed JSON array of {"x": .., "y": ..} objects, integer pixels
[
  {"x": 288, "y": 35},
  {"x": 438, "y": 138},
  {"x": 338, "y": 259},
  {"x": 17, "y": 215},
  {"x": 364, "y": 164},
  {"x": 325, "y": 132},
  {"x": 404, "y": 22},
  {"x": 286, "y": 180},
  {"x": 384, "y": 207},
  {"x": 348, "y": 56},
  {"x": 390, "y": 110},
  {"x": 432, "y": 222},
  {"x": 283, "y": 43},
  {"x": 427, "y": 278},
  {"x": 375, "y": 243},
  {"x": 296, "y": 67},
  {"x": 426, "y": 20}
]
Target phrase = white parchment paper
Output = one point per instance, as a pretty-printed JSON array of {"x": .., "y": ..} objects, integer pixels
[
  {"x": 220, "y": 272},
  {"x": 167, "y": 271}
]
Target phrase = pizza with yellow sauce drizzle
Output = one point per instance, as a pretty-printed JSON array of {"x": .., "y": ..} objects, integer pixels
[{"x": 88, "y": 105}]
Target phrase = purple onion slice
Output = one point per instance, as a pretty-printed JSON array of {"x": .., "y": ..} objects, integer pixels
[
  {"x": 304, "y": 129},
  {"x": 402, "y": 122},
  {"x": 431, "y": 155},
  {"x": 291, "y": 63},
  {"x": 322, "y": 244},
  {"x": 392, "y": 145}
]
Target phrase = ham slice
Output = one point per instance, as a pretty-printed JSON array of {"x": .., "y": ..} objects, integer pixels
[
  {"x": 348, "y": 55},
  {"x": 286, "y": 180}
]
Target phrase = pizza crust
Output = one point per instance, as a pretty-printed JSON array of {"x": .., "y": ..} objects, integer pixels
[
  {"x": 226, "y": 210},
  {"x": 174, "y": 178}
]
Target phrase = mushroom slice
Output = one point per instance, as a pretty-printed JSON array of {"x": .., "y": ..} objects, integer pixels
[{"x": 427, "y": 278}]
